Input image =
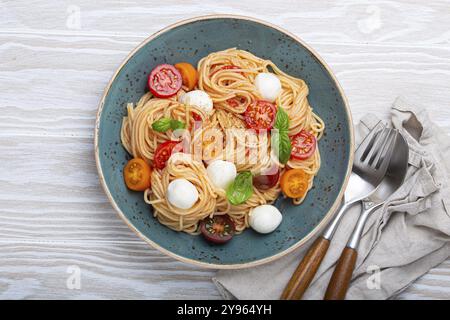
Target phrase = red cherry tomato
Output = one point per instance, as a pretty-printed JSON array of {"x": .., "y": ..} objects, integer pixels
[
  {"x": 267, "y": 181},
  {"x": 164, "y": 81},
  {"x": 303, "y": 145},
  {"x": 164, "y": 151},
  {"x": 260, "y": 115},
  {"x": 218, "y": 229}
]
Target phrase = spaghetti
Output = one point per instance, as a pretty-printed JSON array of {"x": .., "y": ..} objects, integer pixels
[{"x": 228, "y": 77}]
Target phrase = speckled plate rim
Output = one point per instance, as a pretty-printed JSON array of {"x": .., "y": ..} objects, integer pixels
[{"x": 313, "y": 232}]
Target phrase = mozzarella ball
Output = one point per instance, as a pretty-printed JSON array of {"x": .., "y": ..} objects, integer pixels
[
  {"x": 268, "y": 86},
  {"x": 265, "y": 218},
  {"x": 198, "y": 98},
  {"x": 221, "y": 173},
  {"x": 182, "y": 194}
]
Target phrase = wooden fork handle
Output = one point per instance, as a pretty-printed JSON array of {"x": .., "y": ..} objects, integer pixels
[
  {"x": 340, "y": 280},
  {"x": 306, "y": 270}
]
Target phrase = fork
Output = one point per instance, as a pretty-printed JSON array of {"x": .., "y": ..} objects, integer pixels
[{"x": 369, "y": 167}]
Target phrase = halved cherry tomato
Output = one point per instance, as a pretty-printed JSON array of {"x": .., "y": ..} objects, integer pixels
[
  {"x": 303, "y": 145},
  {"x": 164, "y": 81},
  {"x": 294, "y": 183},
  {"x": 260, "y": 115},
  {"x": 218, "y": 229},
  {"x": 267, "y": 181},
  {"x": 188, "y": 73},
  {"x": 137, "y": 175},
  {"x": 164, "y": 151}
]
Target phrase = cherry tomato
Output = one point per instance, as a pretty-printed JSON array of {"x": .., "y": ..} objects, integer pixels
[
  {"x": 294, "y": 183},
  {"x": 188, "y": 73},
  {"x": 303, "y": 145},
  {"x": 137, "y": 175},
  {"x": 260, "y": 115},
  {"x": 218, "y": 229},
  {"x": 164, "y": 81},
  {"x": 164, "y": 151},
  {"x": 267, "y": 181}
]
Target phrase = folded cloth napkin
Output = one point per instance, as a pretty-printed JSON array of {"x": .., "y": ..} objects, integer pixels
[{"x": 402, "y": 240}]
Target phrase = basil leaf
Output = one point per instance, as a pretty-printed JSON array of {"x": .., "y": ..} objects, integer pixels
[
  {"x": 280, "y": 140},
  {"x": 177, "y": 124},
  {"x": 241, "y": 189},
  {"x": 281, "y": 144},
  {"x": 162, "y": 125},
  {"x": 282, "y": 120}
]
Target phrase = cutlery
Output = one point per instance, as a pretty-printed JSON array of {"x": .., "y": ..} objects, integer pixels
[
  {"x": 340, "y": 280},
  {"x": 369, "y": 167}
]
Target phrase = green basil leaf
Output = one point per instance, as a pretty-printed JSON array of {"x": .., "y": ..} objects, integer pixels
[
  {"x": 177, "y": 124},
  {"x": 281, "y": 144},
  {"x": 282, "y": 120},
  {"x": 241, "y": 189},
  {"x": 162, "y": 125}
]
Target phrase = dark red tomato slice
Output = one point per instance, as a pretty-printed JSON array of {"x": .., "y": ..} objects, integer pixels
[
  {"x": 303, "y": 145},
  {"x": 260, "y": 115},
  {"x": 164, "y": 81},
  {"x": 218, "y": 229},
  {"x": 268, "y": 180},
  {"x": 164, "y": 151}
]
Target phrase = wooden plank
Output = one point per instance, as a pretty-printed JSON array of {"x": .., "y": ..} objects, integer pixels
[
  {"x": 380, "y": 21},
  {"x": 41, "y": 270},
  {"x": 58, "y": 196}
]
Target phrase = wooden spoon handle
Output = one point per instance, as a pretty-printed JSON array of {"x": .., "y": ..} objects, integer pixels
[
  {"x": 340, "y": 280},
  {"x": 306, "y": 270}
]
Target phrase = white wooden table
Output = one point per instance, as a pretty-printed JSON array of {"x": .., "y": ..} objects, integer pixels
[{"x": 55, "y": 61}]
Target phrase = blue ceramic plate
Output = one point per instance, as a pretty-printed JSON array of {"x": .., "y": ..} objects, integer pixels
[{"x": 190, "y": 41}]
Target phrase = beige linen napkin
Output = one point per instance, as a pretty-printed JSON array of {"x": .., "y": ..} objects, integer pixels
[{"x": 402, "y": 240}]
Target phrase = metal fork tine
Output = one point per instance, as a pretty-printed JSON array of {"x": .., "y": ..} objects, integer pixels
[
  {"x": 379, "y": 158},
  {"x": 367, "y": 142},
  {"x": 376, "y": 145},
  {"x": 384, "y": 144},
  {"x": 387, "y": 153}
]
